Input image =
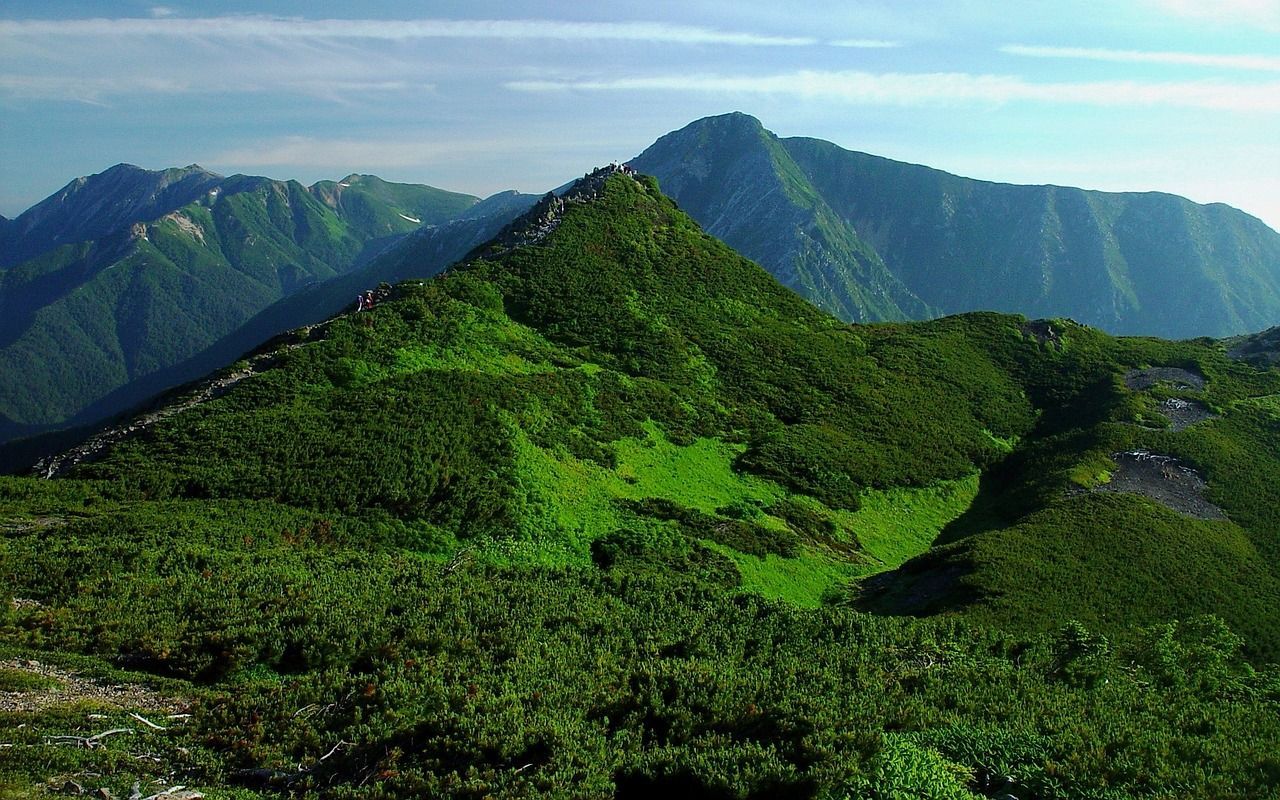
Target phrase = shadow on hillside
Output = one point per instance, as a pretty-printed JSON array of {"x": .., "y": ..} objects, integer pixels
[{"x": 927, "y": 584}]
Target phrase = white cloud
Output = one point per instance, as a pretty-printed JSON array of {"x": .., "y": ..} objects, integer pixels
[
  {"x": 268, "y": 27},
  {"x": 1244, "y": 62},
  {"x": 417, "y": 151},
  {"x": 96, "y": 90},
  {"x": 1259, "y": 13},
  {"x": 869, "y": 44},
  {"x": 943, "y": 89}
]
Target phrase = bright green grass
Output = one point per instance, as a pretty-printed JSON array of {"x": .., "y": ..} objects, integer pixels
[
  {"x": 898, "y": 524},
  {"x": 801, "y": 581},
  {"x": 700, "y": 475},
  {"x": 892, "y": 527},
  {"x": 569, "y": 502}
]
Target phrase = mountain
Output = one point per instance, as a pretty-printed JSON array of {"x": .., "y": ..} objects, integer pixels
[
  {"x": 1130, "y": 263},
  {"x": 736, "y": 179},
  {"x": 604, "y": 316},
  {"x": 593, "y": 513},
  {"x": 174, "y": 261},
  {"x": 421, "y": 254},
  {"x": 97, "y": 205}
]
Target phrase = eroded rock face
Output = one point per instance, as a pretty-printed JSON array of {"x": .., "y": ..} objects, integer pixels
[{"x": 1164, "y": 479}]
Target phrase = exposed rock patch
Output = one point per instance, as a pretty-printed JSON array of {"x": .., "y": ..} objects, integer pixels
[
  {"x": 1176, "y": 377},
  {"x": 69, "y": 687},
  {"x": 1164, "y": 479},
  {"x": 187, "y": 226},
  {"x": 1182, "y": 414},
  {"x": 1044, "y": 332}
]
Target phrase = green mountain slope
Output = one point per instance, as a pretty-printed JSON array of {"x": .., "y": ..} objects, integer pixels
[
  {"x": 80, "y": 320},
  {"x": 97, "y": 205},
  {"x": 421, "y": 254},
  {"x": 614, "y": 341},
  {"x": 736, "y": 179},
  {"x": 1116, "y": 507},
  {"x": 1150, "y": 263},
  {"x": 580, "y": 517}
]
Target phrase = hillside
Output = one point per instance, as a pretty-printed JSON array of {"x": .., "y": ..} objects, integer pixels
[
  {"x": 589, "y": 514},
  {"x": 175, "y": 261},
  {"x": 96, "y": 205},
  {"x": 735, "y": 178},
  {"x": 1129, "y": 263}
]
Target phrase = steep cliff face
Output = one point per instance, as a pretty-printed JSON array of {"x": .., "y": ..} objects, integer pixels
[{"x": 934, "y": 243}]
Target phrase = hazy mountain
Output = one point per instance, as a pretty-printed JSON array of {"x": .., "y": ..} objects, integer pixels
[
  {"x": 736, "y": 179},
  {"x": 1134, "y": 263},
  {"x": 96, "y": 205},
  {"x": 175, "y": 260}
]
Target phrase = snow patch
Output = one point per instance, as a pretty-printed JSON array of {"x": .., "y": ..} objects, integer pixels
[{"x": 411, "y": 219}]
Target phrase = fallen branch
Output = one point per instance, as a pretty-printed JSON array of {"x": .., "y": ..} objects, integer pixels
[
  {"x": 335, "y": 749},
  {"x": 87, "y": 741},
  {"x": 147, "y": 722}
]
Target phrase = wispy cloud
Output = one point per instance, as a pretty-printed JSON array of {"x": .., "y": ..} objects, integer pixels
[
  {"x": 96, "y": 91},
  {"x": 866, "y": 44},
  {"x": 1243, "y": 62},
  {"x": 270, "y": 27},
  {"x": 1258, "y": 13},
  {"x": 942, "y": 89},
  {"x": 304, "y": 151}
]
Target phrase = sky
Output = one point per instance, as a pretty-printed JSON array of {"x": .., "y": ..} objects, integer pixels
[{"x": 1180, "y": 96}]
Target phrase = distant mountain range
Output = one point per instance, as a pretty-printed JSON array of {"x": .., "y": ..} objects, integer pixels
[
  {"x": 868, "y": 238},
  {"x": 120, "y": 277},
  {"x": 128, "y": 282}
]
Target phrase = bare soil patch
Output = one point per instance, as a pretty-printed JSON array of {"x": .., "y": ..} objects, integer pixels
[
  {"x": 70, "y": 687},
  {"x": 1183, "y": 414},
  {"x": 1177, "y": 377},
  {"x": 1163, "y": 479}
]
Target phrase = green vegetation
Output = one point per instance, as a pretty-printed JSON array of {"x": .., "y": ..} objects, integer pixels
[
  {"x": 448, "y": 678},
  {"x": 147, "y": 291},
  {"x": 867, "y": 238},
  {"x": 15, "y": 680},
  {"x": 600, "y": 513}
]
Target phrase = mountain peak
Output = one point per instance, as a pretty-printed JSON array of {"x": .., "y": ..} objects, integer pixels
[
  {"x": 545, "y": 216},
  {"x": 92, "y": 206},
  {"x": 732, "y": 127}
]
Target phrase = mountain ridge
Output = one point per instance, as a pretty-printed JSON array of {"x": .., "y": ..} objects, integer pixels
[
  {"x": 1132, "y": 263},
  {"x": 198, "y": 270},
  {"x": 591, "y": 511}
]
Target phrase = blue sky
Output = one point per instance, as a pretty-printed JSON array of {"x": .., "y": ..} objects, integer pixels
[{"x": 1172, "y": 95}]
